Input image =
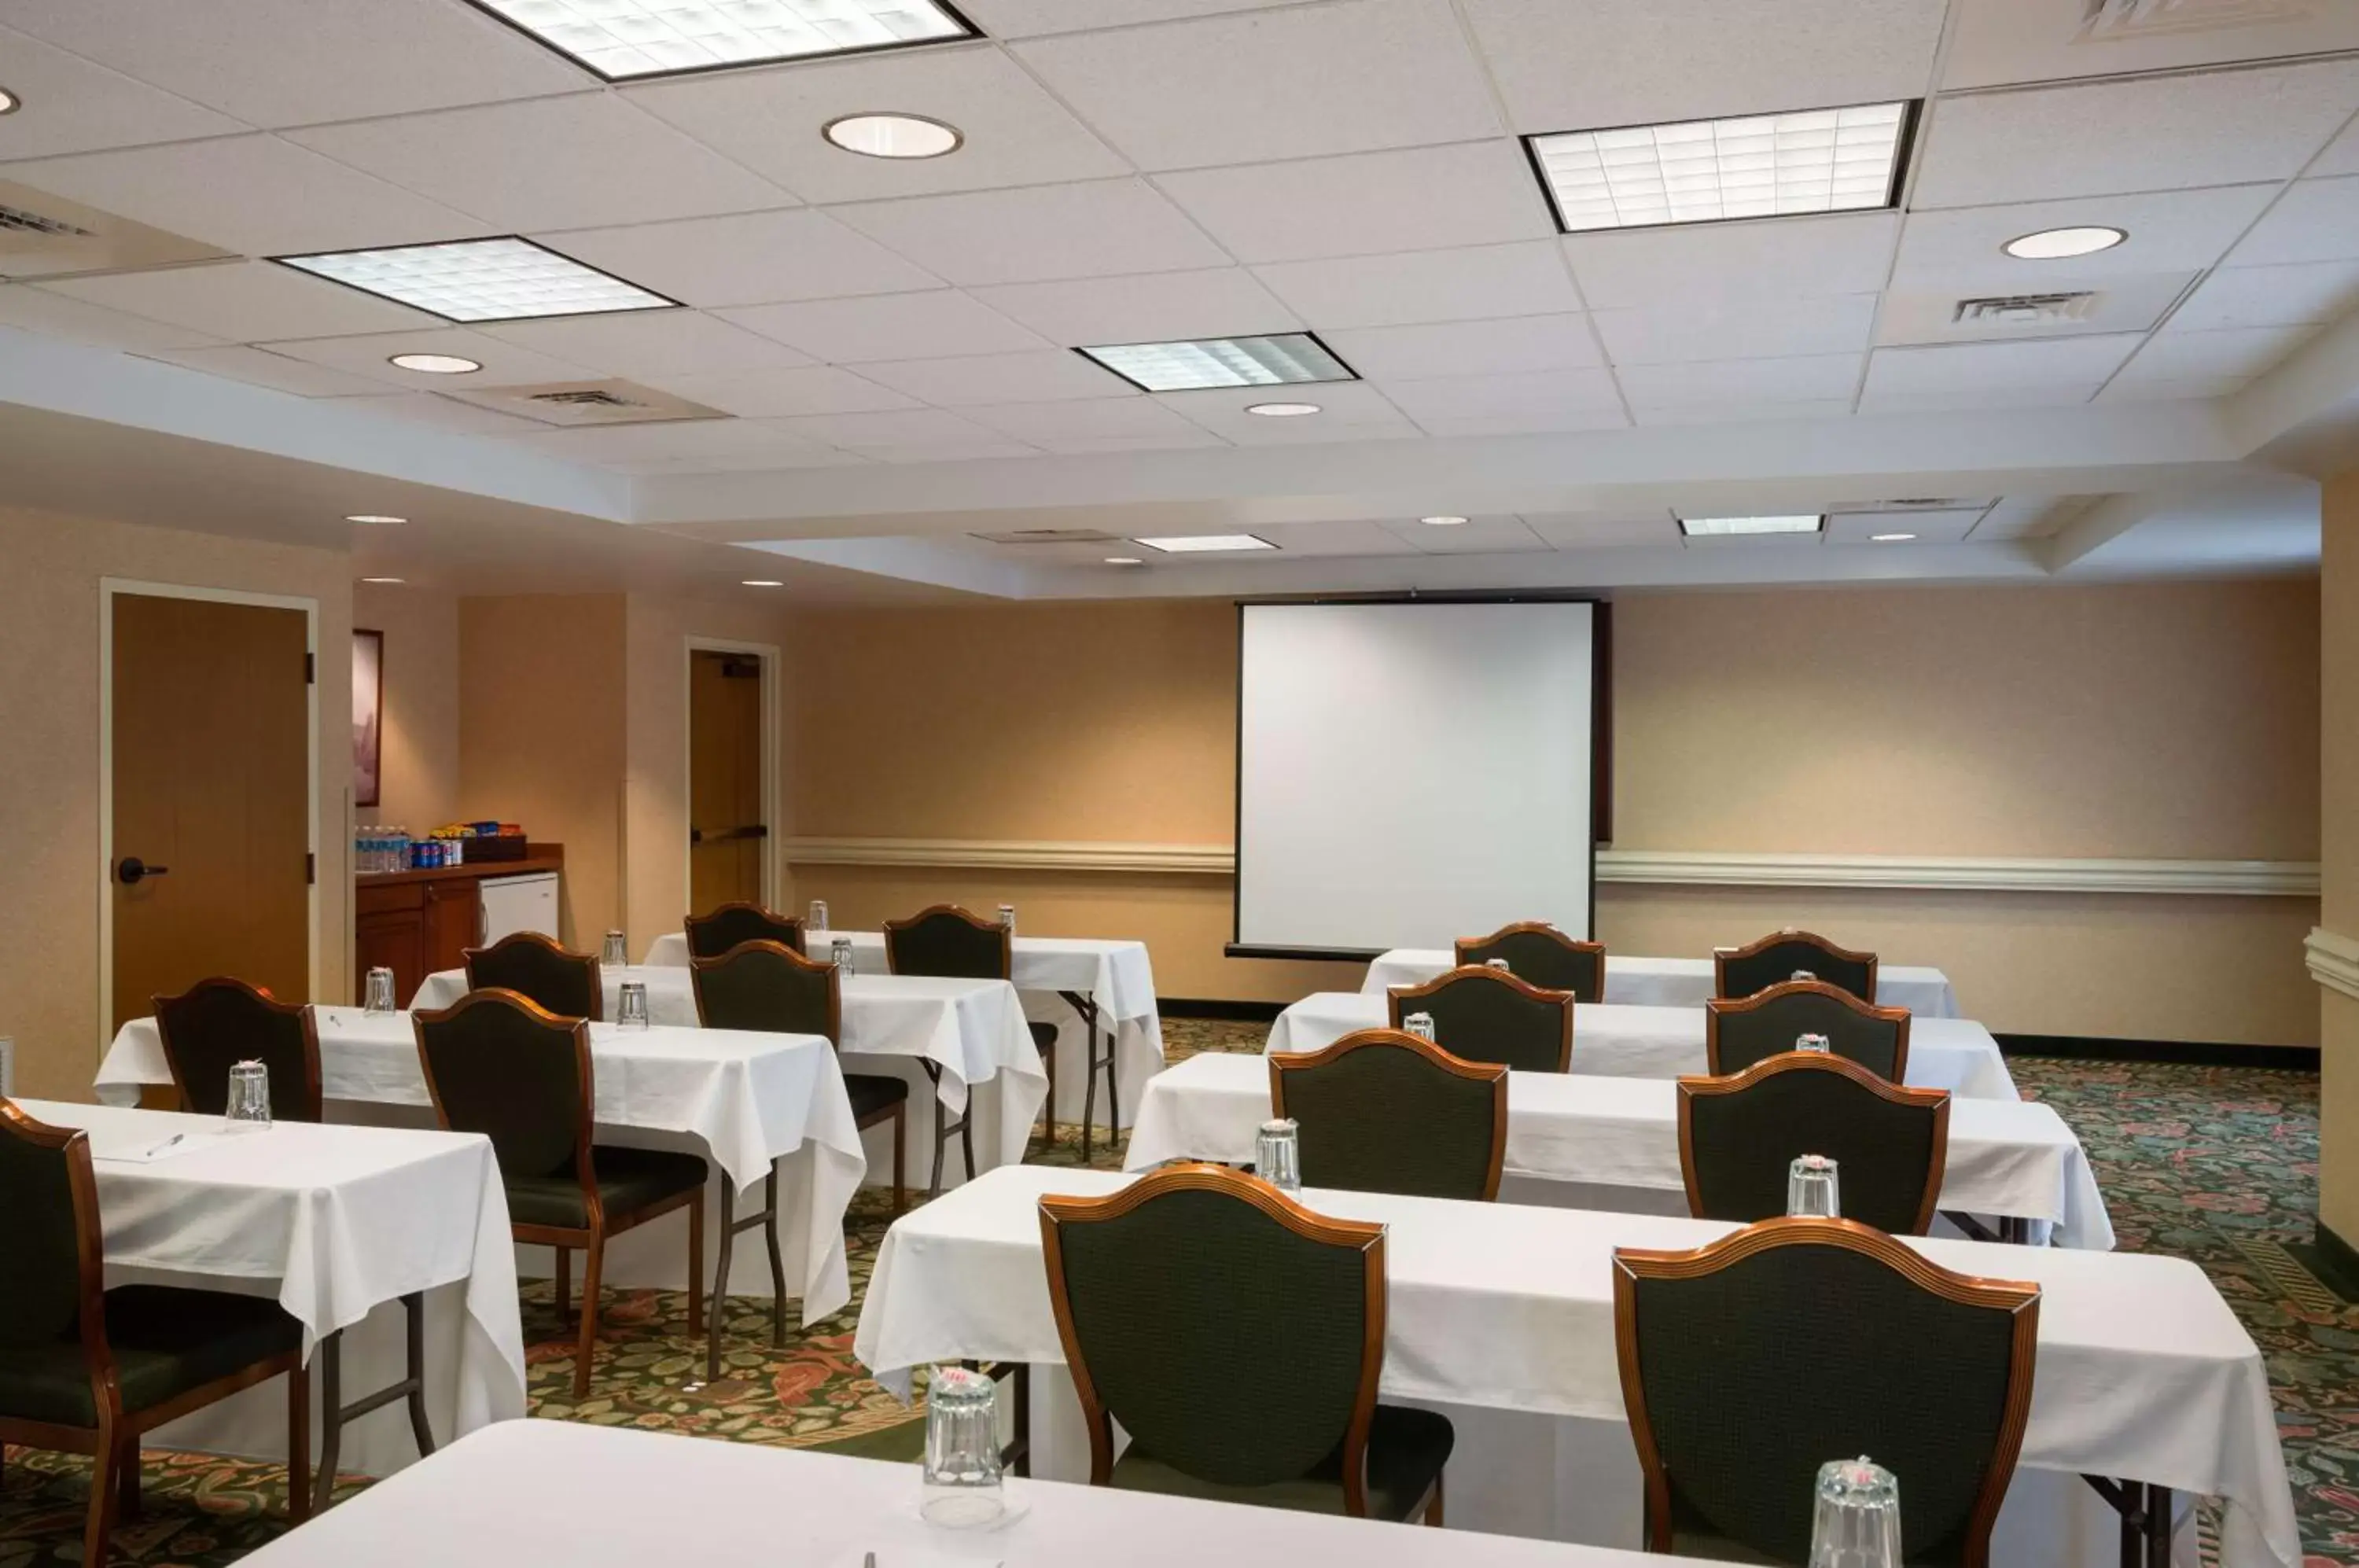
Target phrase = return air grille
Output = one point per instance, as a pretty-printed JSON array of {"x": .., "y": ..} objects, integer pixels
[
  {"x": 2115, "y": 21},
  {"x": 2027, "y": 310},
  {"x": 16, "y": 220}
]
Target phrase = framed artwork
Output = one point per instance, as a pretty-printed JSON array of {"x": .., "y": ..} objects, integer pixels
[{"x": 368, "y": 715}]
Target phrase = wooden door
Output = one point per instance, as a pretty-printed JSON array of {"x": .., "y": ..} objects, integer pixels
[
  {"x": 211, "y": 778},
  {"x": 727, "y": 831}
]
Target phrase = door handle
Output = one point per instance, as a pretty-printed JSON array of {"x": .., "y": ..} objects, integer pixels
[{"x": 131, "y": 868}]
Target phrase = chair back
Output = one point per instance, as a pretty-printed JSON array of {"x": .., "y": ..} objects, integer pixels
[
  {"x": 1235, "y": 1335},
  {"x": 1738, "y": 1136},
  {"x": 535, "y": 968},
  {"x": 947, "y": 940},
  {"x": 733, "y": 924},
  {"x": 50, "y": 1234},
  {"x": 215, "y": 1024},
  {"x": 1738, "y": 1032},
  {"x": 768, "y": 987},
  {"x": 1778, "y": 957},
  {"x": 1748, "y": 1363},
  {"x": 1381, "y": 1111},
  {"x": 497, "y": 1064},
  {"x": 1537, "y": 951},
  {"x": 1483, "y": 1015}
]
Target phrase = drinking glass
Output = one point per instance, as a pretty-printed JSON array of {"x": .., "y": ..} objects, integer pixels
[
  {"x": 249, "y": 1099},
  {"x": 1008, "y": 918},
  {"x": 961, "y": 1477},
  {"x": 1498, "y": 964},
  {"x": 840, "y": 949},
  {"x": 1813, "y": 1043},
  {"x": 616, "y": 955},
  {"x": 1801, "y": 975},
  {"x": 819, "y": 915},
  {"x": 1277, "y": 1154},
  {"x": 1856, "y": 1522},
  {"x": 1420, "y": 1024},
  {"x": 1814, "y": 1187},
  {"x": 633, "y": 1010},
  {"x": 378, "y": 997}
]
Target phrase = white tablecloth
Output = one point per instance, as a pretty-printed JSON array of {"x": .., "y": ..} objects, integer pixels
[
  {"x": 747, "y": 1099},
  {"x": 334, "y": 1221},
  {"x": 1611, "y": 1039},
  {"x": 2013, "y": 1157},
  {"x": 2143, "y": 1370},
  {"x": 1675, "y": 982},
  {"x": 509, "y": 1496}
]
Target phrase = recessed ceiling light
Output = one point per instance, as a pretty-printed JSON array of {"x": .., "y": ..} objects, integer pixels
[
  {"x": 892, "y": 136},
  {"x": 1890, "y": 538},
  {"x": 9, "y": 101},
  {"x": 1123, "y": 560},
  {"x": 622, "y": 40},
  {"x": 1277, "y": 360},
  {"x": 1281, "y": 410},
  {"x": 385, "y": 581},
  {"x": 1441, "y": 522},
  {"x": 505, "y": 280},
  {"x": 373, "y": 517},
  {"x": 1205, "y": 544},
  {"x": 2052, "y": 245},
  {"x": 1707, "y": 171},
  {"x": 1720, "y": 527},
  {"x": 762, "y": 583},
  {"x": 436, "y": 364}
]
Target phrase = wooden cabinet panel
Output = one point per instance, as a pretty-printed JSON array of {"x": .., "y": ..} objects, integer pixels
[
  {"x": 454, "y": 918},
  {"x": 416, "y": 922}
]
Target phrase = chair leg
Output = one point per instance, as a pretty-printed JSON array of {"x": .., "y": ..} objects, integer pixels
[
  {"x": 1433, "y": 1506},
  {"x": 696, "y": 1263},
  {"x": 414, "y": 1305},
  {"x": 777, "y": 1266},
  {"x": 721, "y": 1277},
  {"x": 563, "y": 1284},
  {"x": 942, "y": 1137},
  {"x": 299, "y": 1446},
  {"x": 593, "y": 1266},
  {"x": 1114, "y": 1090},
  {"x": 1089, "y": 1090},
  {"x": 126, "y": 1503},
  {"x": 98, "y": 1526},
  {"x": 966, "y": 1138},
  {"x": 1048, "y": 1110},
  {"x": 332, "y": 1413},
  {"x": 900, "y": 1142}
]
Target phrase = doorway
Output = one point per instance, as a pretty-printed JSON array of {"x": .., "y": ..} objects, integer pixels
[
  {"x": 729, "y": 775},
  {"x": 209, "y": 805}
]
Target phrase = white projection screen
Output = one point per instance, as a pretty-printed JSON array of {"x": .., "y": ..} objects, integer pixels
[{"x": 1412, "y": 772}]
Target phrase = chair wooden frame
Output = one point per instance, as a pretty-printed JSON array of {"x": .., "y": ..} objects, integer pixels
[
  {"x": 1720, "y": 1007},
  {"x": 1367, "y": 1238},
  {"x": 313, "y": 1100},
  {"x": 690, "y": 926},
  {"x": 535, "y": 939},
  {"x": 593, "y": 1238},
  {"x": 1722, "y": 956},
  {"x": 1283, "y": 1062},
  {"x": 113, "y": 1445},
  {"x": 1935, "y": 1100},
  {"x": 1597, "y": 950},
  {"x": 2022, "y": 1299},
  {"x": 1398, "y": 996},
  {"x": 964, "y": 1126}
]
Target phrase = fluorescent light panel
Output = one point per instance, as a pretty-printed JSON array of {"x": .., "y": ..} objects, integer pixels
[
  {"x": 1705, "y": 171},
  {"x": 1280, "y": 359},
  {"x": 623, "y": 40},
  {"x": 1206, "y": 544},
  {"x": 1722, "y": 527},
  {"x": 505, "y": 279}
]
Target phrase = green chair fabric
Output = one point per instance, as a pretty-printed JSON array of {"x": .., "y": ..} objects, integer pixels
[
  {"x": 733, "y": 925},
  {"x": 628, "y": 1180},
  {"x": 1379, "y": 1118},
  {"x": 564, "y": 983},
  {"x": 216, "y": 1024},
  {"x": 1741, "y": 975},
  {"x": 516, "y": 1079},
  {"x": 751, "y": 988},
  {"x": 1548, "y": 959},
  {"x": 1737, "y": 1147},
  {"x": 874, "y": 1093},
  {"x": 1481, "y": 1017},
  {"x": 1407, "y": 1449},
  {"x": 946, "y": 942},
  {"x": 1746, "y": 1035},
  {"x": 41, "y": 1239}
]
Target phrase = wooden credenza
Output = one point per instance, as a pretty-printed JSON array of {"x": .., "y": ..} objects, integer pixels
[{"x": 416, "y": 922}]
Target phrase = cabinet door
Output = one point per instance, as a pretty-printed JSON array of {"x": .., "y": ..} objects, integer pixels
[
  {"x": 453, "y": 914},
  {"x": 390, "y": 938}
]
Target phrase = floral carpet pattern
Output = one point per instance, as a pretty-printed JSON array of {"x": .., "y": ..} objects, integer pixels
[{"x": 2218, "y": 1165}]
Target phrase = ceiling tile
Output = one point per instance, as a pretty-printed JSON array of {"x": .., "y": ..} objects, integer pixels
[
  {"x": 2341, "y": 155},
  {"x": 2231, "y": 354},
  {"x": 1542, "y": 393},
  {"x": 1346, "y": 407},
  {"x": 1999, "y": 41},
  {"x": 1095, "y": 420},
  {"x": 2316, "y": 220},
  {"x": 244, "y": 301},
  {"x": 1744, "y": 412},
  {"x": 1029, "y": 18},
  {"x": 896, "y": 428},
  {"x": 1303, "y": 82},
  {"x": 950, "y": 452},
  {"x": 505, "y": 363},
  {"x": 1475, "y": 536},
  {"x": 1180, "y": 438},
  {"x": 764, "y": 460},
  {"x": 1930, "y": 527},
  {"x": 1977, "y": 367},
  {"x": 771, "y": 122},
  {"x": 938, "y": 324},
  {"x": 1525, "y": 422},
  {"x": 76, "y": 320},
  {"x": 2125, "y": 304},
  {"x": 551, "y": 163},
  {"x": 2169, "y": 231},
  {"x": 754, "y": 258},
  {"x": 1156, "y": 307},
  {"x": 1739, "y": 381},
  {"x": 2126, "y": 389},
  {"x": 1476, "y": 194},
  {"x": 76, "y": 106},
  {"x": 2298, "y": 294},
  {"x": 1604, "y": 530},
  {"x": 638, "y": 344},
  {"x": 773, "y": 394},
  {"x": 2066, "y": 395},
  {"x": 1782, "y": 258},
  {"x": 672, "y": 439},
  {"x": 1048, "y": 376},
  {"x": 1623, "y": 62},
  {"x": 1469, "y": 348},
  {"x": 1763, "y": 328},
  {"x": 2022, "y": 517},
  {"x": 2164, "y": 132},
  {"x": 1091, "y": 230},
  {"x": 1334, "y": 537},
  {"x": 1522, "y": 280},
  {"x": 261, "y": 368},
  {"x": 297, "y": 62},
  {"x": 443, "y": 413}
]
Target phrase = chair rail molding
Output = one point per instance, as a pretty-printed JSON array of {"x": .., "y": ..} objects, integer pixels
[
  {"x": 2253, "y": 879},
  {"x": 2333, "y": 960}
]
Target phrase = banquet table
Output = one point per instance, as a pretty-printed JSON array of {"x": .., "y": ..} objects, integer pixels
[
  {"x": 334, "y": 1223},
  {"x": 1675, "y": 982},
  {"x": 1611, "y": 1039},
  {"x": 750, "y": 1102},
  {"x": 2010, "y": 1158},
  {"x": 511, "y": 1496},
  {"x": 1501, "y": 1313}
]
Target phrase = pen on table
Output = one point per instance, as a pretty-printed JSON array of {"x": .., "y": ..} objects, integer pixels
[{"x": 166, "y": 1144}]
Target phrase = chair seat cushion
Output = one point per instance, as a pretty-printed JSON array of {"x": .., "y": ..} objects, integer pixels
[
  {"x": 1044, "y": 1036},
  {"x": 1407, "y": 1449},
  {"x": 874, "y": 1093},
  {"x": 165, "y": 1342},
  {"x": 629, "y": 1180}
]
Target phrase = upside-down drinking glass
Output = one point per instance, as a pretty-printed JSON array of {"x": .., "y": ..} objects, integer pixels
[
  {"x": 1856, "y": 1520},
  {"x": 1008, "y": 918},
  {"x": 614, "y": 955},
  {"x": 249, "y": 1099},
  {"x": 961, "y": 1479},
  {"x": 378, "y": 997},
  {"x": 819, "y": 915},
  {"x": 1498, "y": 964},
  {"x": 633, "y": 1013},
  {"x": 840, "y": 949},
  {"x": 1813, "y": 1043},
  {"x": 1813, "y": 1187},
  {"x": 1801, "y": 975},
  {"x": 1420, "y": 1024},
  {"x": 1277, "y": 1154}
]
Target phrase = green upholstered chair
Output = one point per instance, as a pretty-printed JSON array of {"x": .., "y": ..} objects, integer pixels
[
  {"x": 1782, "y": 955},
  {"x": 1487, "y": 1015},
  {"x": 87, "y": 1370},
  {"x": 218, "y": 1023},
  {"x": 1740, "y": 1032},
  {"x": 1381, "y": 1111},
  {"x": 1238, "y": 1338},
  {"x": 956, "y": 943},
  {"x": 1748, "y": 1363},
  {"x": 1537, "y": 951},
  {"x": 1738, "y": 1136},
  {"x": 495, "y": 1064},
  {"x": 537, "y": 969},
  {"x": 733, "y": 924}
]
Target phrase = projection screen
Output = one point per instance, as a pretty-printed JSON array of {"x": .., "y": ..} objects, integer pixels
[{"x": 1412, "y": 772}]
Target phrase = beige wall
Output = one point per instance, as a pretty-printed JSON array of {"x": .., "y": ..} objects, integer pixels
[
  {"x": 49, "y": 888},
  {"x": 2338, "y": 1126},
  {"x": 419, "y": 766}
]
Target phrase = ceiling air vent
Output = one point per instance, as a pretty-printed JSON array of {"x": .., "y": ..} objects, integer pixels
[
  {"x": 17, "y": 220},
  {"x": 43, "y": 236},
  {"x": 2026, "y": 309},
  {"x": 2114, "y": 21},
  {"x": 1050, "y": 535},
  {"x": 588, "y": 403}
]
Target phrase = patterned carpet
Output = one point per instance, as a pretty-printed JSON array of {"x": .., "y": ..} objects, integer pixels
[{"x": 2214, "y": 1164}]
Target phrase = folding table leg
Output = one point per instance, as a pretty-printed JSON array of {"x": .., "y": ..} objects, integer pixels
[
  {"x": 2146, "y": 1519},
  {"x": 777, "y": 1265},
  {"x": 718, "y": 1312}
]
